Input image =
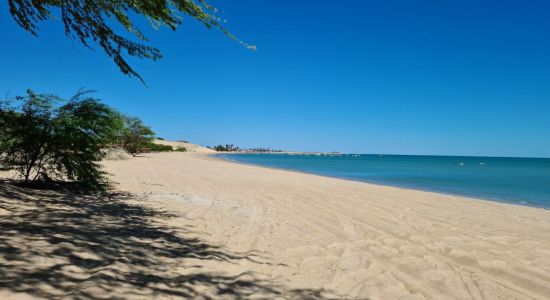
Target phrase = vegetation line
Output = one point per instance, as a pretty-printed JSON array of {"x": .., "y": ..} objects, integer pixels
[{"x": 44, "y": 138}]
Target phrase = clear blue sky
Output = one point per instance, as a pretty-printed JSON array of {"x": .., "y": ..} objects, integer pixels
[{"x": 408, "y": 77}]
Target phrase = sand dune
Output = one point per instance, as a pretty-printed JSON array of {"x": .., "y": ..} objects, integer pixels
[
  {"x": 350, "y": 238},
  {"x": 189, "y": 146}
]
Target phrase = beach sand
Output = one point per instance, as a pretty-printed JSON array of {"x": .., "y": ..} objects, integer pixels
[
  {"x": 259, "y": 233},
  {"x": 188, "y": 146}
]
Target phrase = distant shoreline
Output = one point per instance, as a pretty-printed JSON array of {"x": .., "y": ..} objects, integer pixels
[
  {"x": 219, "y": 155},
  {"x": 375, "y": 154}
]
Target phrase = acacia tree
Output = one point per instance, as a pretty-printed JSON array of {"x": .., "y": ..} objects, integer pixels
[
  {"x": 135, "y": 135},
  {"x": 93, "y": 22},
  {"x": 46, "y": 137}
]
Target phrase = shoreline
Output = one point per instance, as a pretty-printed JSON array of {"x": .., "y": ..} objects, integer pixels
[
  {"x": 193, "y": 226},
  {"x": 356, "y": 239},
  {"x": 377, "y": 154},
  {"x": 397, "y": 186}
]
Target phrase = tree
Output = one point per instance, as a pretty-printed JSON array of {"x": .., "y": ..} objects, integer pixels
[
  {"x": 48, "y": 138},
  {"x": 135, "y": 135},
  {"x": 226, "y": 148},
  {"x": 92, "y": 22}
]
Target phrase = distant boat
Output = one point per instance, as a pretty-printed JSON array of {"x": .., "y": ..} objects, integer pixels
[
  {"x": 482, "y": 163},
  {"x": 461, "y": 164}
]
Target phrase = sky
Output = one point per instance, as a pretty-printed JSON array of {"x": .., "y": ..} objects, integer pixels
[{"x": 394, "y": 77}]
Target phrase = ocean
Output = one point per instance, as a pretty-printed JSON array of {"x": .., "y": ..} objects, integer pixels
[{"x": 524, "y": 181}]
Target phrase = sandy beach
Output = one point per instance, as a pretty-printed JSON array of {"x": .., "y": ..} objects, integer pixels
[
  {"x": 259, "y": 233},
  {"x": 274, "y": 150},
  {"x": 356, "y": 239}
]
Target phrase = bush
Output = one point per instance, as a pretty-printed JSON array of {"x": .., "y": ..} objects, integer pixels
[
  {"x": 134, "y": 135},
  {"x": 159, "y": 148},
  {"x": 181, "y": 149},
  {"x": 48, "y": 138},
  {"x": 226, "y": 148}
]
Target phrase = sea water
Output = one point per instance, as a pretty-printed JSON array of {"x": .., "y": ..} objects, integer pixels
[{"x": 523, "y": 181}]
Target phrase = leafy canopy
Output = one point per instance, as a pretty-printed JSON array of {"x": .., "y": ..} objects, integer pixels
[
  {"x": 91, "y": 21},
  {"x": 134, "y": 136},
  {"x": 43, "y": 137},
  {"x": 226, "y": 148}
]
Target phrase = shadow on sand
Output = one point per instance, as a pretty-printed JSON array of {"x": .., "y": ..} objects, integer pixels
[{"x": 63, "y": 245}]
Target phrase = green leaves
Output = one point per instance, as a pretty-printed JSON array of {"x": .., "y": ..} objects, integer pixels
[
  {"x": 47, "y": 138},
  {"x": 90, "y": 22},
  {"x": 135, "y": 135}
]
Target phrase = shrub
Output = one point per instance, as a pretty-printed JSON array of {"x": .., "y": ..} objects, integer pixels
[
  {"x": 181, "y": 149},
  {"x": 48, "y": 138},
  {"x": 159, "y": 148},
  {"x": 226, "y": 148},
  {"x": 134, "y": 135}
]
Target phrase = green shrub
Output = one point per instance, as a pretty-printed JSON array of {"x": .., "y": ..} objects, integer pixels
[
  {"x": 159, "y": 148},
  {"x": 48, "y": 138},
  {"x": 226, "y": 148},
  {"x": 181, "y": 149},
  {"x": 134, "y": 135}
]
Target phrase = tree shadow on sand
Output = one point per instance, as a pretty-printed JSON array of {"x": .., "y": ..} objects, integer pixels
[{"x": 63, "y": 245}]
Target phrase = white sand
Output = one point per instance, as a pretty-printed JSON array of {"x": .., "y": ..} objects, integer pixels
[
  {"x": 189, "y": 146},
  {"x": 351, "y": 238}
]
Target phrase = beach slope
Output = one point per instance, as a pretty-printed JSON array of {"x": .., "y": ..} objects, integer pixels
[
  {"x": 355, "y": 239},
  {"x": 191, "y": 226}
]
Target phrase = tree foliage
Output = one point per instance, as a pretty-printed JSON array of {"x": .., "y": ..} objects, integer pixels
[
  {"x": 159, "y": 147},
  {"x": 93, "y": 22},
  {"x": 43, "y": 137},
  {"x": 226, "y": 148},
  {"x": 134, "y": 136}
]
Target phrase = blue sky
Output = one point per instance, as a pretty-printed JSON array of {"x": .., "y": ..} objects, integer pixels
[{"x": 405, "y": 77}]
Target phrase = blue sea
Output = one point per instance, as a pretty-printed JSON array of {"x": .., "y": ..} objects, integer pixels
[{"x": 523, "y": 181}]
